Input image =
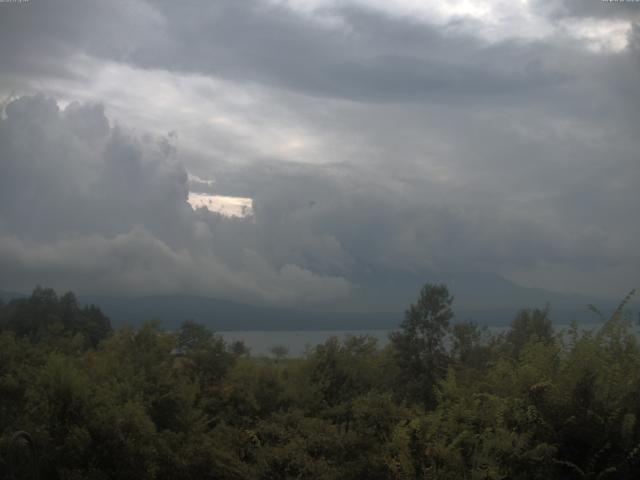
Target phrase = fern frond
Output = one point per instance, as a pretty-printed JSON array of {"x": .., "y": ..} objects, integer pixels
[
  {"x": 618, "y": 311},
  {"x": 597, "y": 311}
]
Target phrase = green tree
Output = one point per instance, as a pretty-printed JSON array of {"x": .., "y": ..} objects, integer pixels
[
  {"x": 419, "y": 346},
  {"x": 529, "y": 326},
  {"x": 193, "y": 336},
  {"x": 469, "y": 344},
  {"x": 46, "y": 317},
  {"x": 280, "y": 352}
]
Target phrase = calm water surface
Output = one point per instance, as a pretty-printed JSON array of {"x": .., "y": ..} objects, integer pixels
[{"x": 297, "y": 341}]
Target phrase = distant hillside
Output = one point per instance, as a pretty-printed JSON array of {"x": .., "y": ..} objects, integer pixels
[
  {"x": 8, "y": 296},
  {"x": 479, "y": 292},
  {"x": 494, "y": 302},
  {"x": 224, "y": 315}
]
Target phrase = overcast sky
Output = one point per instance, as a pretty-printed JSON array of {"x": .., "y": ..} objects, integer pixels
[{"x": 361, "y": 140}]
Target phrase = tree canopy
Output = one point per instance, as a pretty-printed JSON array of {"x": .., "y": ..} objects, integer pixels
[{"x": 440, "y": 401}]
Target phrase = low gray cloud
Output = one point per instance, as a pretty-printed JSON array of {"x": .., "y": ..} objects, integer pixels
[
  {"x": 92, "y": 207},
  {"x": 374, "y": 145},
  {"x": 367, "y": 56}
]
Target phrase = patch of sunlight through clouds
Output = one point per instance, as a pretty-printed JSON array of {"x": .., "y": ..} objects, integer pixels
[
  {"x": 601, "y": 35},
  {"x": 228, "y": 206},
  {"x": 491, "y": 20}
]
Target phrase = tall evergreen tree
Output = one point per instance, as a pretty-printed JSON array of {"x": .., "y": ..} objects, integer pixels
[{"x": 419, "y": 346}]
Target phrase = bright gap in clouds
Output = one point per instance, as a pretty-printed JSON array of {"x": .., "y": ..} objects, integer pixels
[
  {"x": 228, "y": 206},
  {"x": 489, "y": 20}
]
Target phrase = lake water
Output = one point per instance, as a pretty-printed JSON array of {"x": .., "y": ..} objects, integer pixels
[{"x": 297, "y": 341}]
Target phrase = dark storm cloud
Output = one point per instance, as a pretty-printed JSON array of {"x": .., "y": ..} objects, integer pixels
[
  {"x": 370, "y": 56},
  {"x": 442, "y": 151},
  {"x": 336, "y": 226},
  {"x": 41, "y": 34}
]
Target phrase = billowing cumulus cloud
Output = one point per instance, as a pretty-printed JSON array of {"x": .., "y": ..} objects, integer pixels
[
  {"x": 92, "y": 207},
  {"x": 380, "y": 144}
]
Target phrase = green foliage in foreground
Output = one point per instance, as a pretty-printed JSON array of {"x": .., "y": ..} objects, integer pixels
[{"x": 441, "y": 401}]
